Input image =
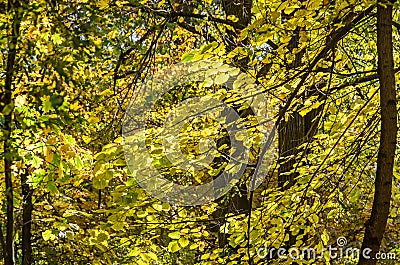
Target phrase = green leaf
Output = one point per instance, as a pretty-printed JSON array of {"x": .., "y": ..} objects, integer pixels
[
  {"x": 173, "y": 246},
  {"x": 57, "y": 39},
  {"x": 100, "y": 182},
  {"x": 102, "y": 178},
  {"x": 51, "y": 186},
  {"x": 47, "y": 106},
  {"x": 188, "y": 57},
  {"x": 7, "y": 109},
  {"x": 78, "y": 162}
]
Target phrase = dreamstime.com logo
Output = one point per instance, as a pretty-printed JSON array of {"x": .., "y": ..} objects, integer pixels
[
  {"x": 339, "y": 252},
  {"x": 139, "y": 156}
]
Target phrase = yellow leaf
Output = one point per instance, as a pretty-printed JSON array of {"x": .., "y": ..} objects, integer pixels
[
  {"x": 134, "y": 252},
  {"x": 93, "y": 120},
  {"x": 152, "y": 255},
  {"x": 161, "y": 3},
  {"x": 117, "y": 226},
  {"x": 202, "y": 246},
  {"x": 182, "y": 213},
  {"x": 208, "y": 82},
  {"x": 325, "y": 237},
  {"x": 166, "y": 207},
  {"x": 48, "y": 153},
  {"x": 61, "y": 170},
  {"x": 183, "y": 242},
  {"x": 48, "y": 235},
  {"x": 274, "y": 15},
  {"x": 75, "y": 106},
  {"x": 141, "y": 214},
  {"x": 157, "y": 207},
  {"x": 233, "y": 18},
  {"x": 107, "y": 92},
  {"x": 86, "y": 139},
  {"x": 175, "y": 235},
  {"x": 193, "y": 246},
  {"x": 103, "y": 4}
]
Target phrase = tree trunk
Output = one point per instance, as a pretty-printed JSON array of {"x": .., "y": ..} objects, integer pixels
[
  {"x": 290, "y": 137},
  {"x": 239, "y": 202},
  {"x": 242, "y": 10},
  {"x": 375, "y": 227},
  {"x": 27, "y": 208},
  {"x": 13, "y": 6},
  {"x": 293, "y": 131}
]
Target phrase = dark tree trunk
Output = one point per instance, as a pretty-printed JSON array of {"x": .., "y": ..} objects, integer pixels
[
  {"x": 290, "y": 130},
  {"x": 292, "y": 133},
  {"x": 242, "y": 10},
  {"x": 375, "y": 227},
  {"x": 27, "y": 209},
  {"x": 239, "y": 8},
  {"x": 13, "y": 6},
  {"x": 290, "y": 137},
  {"x": 239, "y": 202}
]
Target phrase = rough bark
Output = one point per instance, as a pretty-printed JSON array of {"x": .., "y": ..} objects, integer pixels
[
  {"x": 308, "y": 125},
  {"x": 239, "y": 8},
  {"x": 297, "y": 129},
  {"x": 239, "y": 203},
  {"x": 292, "y": 133},
  {"x": 242, "y": 10},
  {"x": 375, "y": 227},
  {"x": 290, "y": 137},
  {"x": 27, "y": 208}
]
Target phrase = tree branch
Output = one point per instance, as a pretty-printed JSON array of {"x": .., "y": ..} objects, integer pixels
[
  {"x": 376, "y": 225},
  {"x": 360, "y": 81}
]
